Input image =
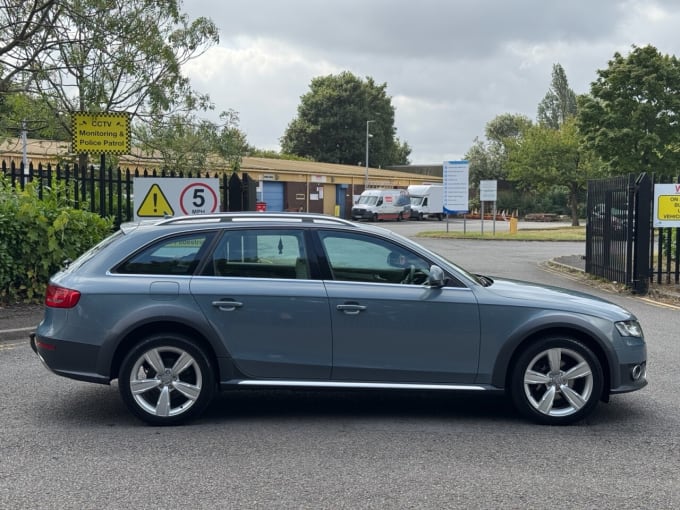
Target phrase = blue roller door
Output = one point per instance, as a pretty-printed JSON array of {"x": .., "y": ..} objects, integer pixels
[{"x": 273, "y": 195}]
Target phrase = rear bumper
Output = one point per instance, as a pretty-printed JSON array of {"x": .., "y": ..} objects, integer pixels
[{"x": 67, "y": 359}]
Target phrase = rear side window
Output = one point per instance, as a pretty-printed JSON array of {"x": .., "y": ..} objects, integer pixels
[
  {"x": 260, "y": 254},
  {"x": 178, "y": 255}
]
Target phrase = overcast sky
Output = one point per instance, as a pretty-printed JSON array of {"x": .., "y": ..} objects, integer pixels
[{"x": 450, "y": 65}]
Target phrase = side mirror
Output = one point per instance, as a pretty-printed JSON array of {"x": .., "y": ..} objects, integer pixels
[{"x": 436, "y": 277}]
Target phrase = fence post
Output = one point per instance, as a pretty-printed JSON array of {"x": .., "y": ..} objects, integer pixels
[{"x": 643, "y": 231}]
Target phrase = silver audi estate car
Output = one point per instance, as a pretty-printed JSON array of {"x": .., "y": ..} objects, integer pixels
[{"x": 179, "y": 308}]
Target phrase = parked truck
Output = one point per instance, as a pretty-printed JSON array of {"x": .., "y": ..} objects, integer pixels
[
  {"x": 382, "y": 204},
  {"x": 427, "y": 201}
]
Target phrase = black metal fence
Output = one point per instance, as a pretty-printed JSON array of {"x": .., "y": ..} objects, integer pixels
[
  {"x": 110, "y": 191},
  {"x": 621, "y": 243}
]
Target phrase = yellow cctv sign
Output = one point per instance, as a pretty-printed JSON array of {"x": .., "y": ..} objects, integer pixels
[{"x": 98, "y": 133}]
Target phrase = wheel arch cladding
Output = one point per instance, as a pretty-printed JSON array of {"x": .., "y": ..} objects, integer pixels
[
  {"x": 155, "y": 328},
  {"x": 503, "y": 371}
]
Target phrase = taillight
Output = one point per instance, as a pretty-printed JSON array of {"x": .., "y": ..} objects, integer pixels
[{"x": 60, "y": 297}]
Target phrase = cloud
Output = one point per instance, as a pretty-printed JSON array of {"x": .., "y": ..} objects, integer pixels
[{"x": 450, "y": 66}]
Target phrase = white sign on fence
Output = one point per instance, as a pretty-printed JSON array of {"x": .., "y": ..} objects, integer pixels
[
  {"x": 157, "y": 197},
  {"x": 667, "y": 205}
]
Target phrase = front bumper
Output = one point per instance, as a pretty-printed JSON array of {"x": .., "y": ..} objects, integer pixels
[
  {"x": 632, "y": 377},
  {"x": 361, "y": 214}
]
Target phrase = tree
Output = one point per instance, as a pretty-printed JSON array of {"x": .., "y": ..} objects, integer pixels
[
  {"x": 185, "y": 142},
  {"x": 506, "y": 126},
  {"x": 559, "y": 102},
  {"x": 630, "y": 118},
  {"x": 332, "y": 121},
  {"x": 488, "y": 160},
  {"x": 20, "y": 111},
  {"x": 122, "y": 56},
  {"x": 28, "y": 28},
  {"x": 543, "y": 158}
]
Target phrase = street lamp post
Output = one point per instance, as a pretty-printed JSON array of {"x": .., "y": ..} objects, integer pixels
[{"x": 368, "y": 123}]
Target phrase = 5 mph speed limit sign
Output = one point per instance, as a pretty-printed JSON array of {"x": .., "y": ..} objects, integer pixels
[
  {"x": 168, "y": 196},
  {"x": 199, "y": 198}
]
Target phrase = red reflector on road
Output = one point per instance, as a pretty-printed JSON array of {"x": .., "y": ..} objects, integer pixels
[{"x": 60, "y": 297}]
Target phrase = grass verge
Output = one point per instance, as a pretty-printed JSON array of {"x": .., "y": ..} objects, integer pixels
[{"x": 539, "y": 234}]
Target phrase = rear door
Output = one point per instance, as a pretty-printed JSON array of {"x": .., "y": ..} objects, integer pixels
[{"x": 257, "y": 293}]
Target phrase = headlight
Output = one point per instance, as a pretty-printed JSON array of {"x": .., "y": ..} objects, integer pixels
[{"x": 629, "y": 328}]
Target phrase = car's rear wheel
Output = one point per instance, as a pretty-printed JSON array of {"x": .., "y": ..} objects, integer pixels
[
  {"x": 166, "y": 380},
  {"x": 556, "y": 381}
]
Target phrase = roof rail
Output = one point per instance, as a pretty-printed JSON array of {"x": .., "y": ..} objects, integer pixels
[{"x": 256, "y": 216}]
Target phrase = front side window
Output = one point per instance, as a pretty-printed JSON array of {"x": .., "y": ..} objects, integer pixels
[
  {"x": 260, "y": 254},
  {"x": 177, "y": 255},
  {"x": 356, "y": 257}
]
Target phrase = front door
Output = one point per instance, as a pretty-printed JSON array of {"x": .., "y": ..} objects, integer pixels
[{"x": 388, "y": 326}]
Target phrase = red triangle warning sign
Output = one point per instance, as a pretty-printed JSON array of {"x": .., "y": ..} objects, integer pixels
[{"x": 155, "y": 204}]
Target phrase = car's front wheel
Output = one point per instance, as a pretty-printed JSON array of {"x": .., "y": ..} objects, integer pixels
[
  {"x": 166, "y": 380},
  {"x": 556, "y": 381}
]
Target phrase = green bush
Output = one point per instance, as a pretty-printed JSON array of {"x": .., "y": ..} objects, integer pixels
[{"x": 38, "y": 235}]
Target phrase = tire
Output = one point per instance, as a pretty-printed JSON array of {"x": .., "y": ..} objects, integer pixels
[
  {"x": 167, "y": 392},
  {"x": 375, "y": 216},
  {"x": 420, "y": 216},
  {"x": 400, "y": 216},
  {"x": 556, "y": 381}
]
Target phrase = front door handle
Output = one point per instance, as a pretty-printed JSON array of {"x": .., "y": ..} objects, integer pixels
[
  {"x": 227, "y": 305},
  {"x": 351, "y": 309}
]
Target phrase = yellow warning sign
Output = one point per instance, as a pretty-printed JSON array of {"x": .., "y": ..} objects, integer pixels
[
  {"x": 155, "y": 205},
  {"x": 668, "y": 207},
  {"x": 105, "y": 132}
]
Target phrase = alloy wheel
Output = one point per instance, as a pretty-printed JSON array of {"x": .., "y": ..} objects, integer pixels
[
  {"x": 166, "y": 381},
  {"x": 558, "y": 382}
]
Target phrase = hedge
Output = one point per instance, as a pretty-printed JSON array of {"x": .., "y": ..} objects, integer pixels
[{"x": 37, "y": 235}]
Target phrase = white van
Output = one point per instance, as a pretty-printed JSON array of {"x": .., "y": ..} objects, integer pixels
[
  {"x": 382, "y": 204},
  {"x": 427, "y": 201}
]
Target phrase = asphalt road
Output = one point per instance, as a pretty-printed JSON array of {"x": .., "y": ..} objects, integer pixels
[{"x": 65, "y": 444}]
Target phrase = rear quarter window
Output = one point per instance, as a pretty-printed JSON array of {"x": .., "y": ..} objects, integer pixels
[{"x": 177, "y": 255}]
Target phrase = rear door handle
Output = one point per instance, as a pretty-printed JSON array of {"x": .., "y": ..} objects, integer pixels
[
  {"x": 227, "y": 305},
  {"x": 351, "y": 309}
]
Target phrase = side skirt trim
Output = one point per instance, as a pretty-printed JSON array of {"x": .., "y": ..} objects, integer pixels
[{"x": 354, "y": 384}]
